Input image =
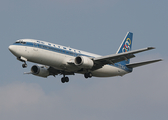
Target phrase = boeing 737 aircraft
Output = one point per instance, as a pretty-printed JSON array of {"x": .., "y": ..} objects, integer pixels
[{"x": 57, "y": 59}]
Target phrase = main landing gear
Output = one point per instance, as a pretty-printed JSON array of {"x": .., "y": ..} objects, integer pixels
[
  {"x": 88, "y": 75},
  {"x": 64, "y": 79}
]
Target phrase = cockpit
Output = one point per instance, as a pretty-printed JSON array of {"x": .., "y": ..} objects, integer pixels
[{"x": 20, "y": 41}]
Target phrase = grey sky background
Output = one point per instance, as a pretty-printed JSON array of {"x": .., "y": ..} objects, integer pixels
[{"x": 96, "y": 26}]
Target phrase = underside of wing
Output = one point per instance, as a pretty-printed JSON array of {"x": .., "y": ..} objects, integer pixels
[{"x": 54, "y": 71}]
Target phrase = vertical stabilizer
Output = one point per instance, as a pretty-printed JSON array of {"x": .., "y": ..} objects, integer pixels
[
  {"x": 126, "y": 43},
  {"x": 125, "y": 46}
]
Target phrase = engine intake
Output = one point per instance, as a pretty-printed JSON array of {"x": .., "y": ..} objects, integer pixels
[
  {"x": 41, "y": 71},
  {"x": 84, "y": 62}
]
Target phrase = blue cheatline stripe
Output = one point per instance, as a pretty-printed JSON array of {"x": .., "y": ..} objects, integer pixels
[
  {"x": 53, "y": 49},
  {"x": 67, "y": 52}
]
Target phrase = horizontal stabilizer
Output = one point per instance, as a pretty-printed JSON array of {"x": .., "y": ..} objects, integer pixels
[{"x": 142, "y": 63}]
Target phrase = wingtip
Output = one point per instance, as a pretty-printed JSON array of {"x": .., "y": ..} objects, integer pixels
[
  {"x": 160, "y": 59},
  {"x": 151, "y": 48}
]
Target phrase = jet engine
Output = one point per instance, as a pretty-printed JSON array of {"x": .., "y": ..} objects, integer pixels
[
  {"x": 40, "y": 71},
  {"x": 84, "y": 62}
]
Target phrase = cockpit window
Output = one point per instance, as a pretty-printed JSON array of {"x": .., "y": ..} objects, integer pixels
[
  {"x": 20, "y": 42},
  {"x": 23, "y": 42}
]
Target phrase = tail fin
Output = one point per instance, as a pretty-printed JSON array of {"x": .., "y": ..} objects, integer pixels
[
  {"x": 126, "y": 46},
  {"x": 126, "y": 43}
]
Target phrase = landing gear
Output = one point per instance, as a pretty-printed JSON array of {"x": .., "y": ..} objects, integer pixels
[
  {"x": 24, "y": 65},
  {"x": 88, "y": 75},
  {"x": 22, "y": 59},
  {"x": 64, "y": 79}
]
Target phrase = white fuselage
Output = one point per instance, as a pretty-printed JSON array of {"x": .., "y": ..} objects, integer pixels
[{"x": 59, "y": 57}]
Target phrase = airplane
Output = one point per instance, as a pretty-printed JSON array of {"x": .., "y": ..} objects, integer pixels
[{"x": 54, "y": 59}]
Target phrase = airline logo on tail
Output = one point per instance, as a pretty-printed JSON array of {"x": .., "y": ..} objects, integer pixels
[
  {"x": 125, "y": 47},
  {"x": 127, "y": 44}
]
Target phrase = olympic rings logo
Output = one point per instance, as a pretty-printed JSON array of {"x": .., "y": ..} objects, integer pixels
[{"x": 127, "y": 44}]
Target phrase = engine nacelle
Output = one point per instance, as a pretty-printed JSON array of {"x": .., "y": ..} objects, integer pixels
[
  {"x": 84, "y": 62},
  {"x": 41, "y": 71}
]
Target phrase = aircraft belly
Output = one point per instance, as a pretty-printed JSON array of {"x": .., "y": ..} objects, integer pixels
[{"x": 109, "y": 71}]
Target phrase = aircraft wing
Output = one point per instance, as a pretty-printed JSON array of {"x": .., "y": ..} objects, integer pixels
[{"x": 111, "y": 59}]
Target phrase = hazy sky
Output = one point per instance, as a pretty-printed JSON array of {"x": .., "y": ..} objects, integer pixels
[{"x": 97, "y": 26}]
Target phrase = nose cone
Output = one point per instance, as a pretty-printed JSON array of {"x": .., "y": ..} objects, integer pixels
[{"x": 11, "y": 48}]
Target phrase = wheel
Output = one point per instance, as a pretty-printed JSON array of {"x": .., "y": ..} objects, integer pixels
[
  {"x": 24, "y": 65},
  {"x": 89, "y": 74},
  {"x": 86, "y": 75},
  {"x": 63, "y": 80},
  {"x": 66, "y": 79}
]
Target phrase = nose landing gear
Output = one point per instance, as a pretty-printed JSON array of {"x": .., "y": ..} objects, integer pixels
[
  {"x": 24, "y": 65},
  {"x": 22, "y": 59}
]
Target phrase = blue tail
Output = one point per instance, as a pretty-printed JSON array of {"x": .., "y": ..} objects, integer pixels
[{"x": 126, "y": 46}]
